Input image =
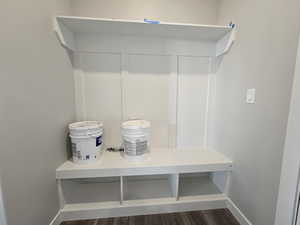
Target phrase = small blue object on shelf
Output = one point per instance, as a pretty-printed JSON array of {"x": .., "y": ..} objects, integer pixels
[
  {"x": 232, "y": 25},
  {"x": 151, "y": 21}
]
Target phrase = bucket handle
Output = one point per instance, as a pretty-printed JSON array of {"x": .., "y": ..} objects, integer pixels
[{"x": 93, "y": 135}]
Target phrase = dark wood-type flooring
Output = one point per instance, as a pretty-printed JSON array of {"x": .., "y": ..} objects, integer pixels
[{"x": 207, "y": 217}]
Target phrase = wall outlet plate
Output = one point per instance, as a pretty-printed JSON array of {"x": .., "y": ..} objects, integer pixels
[{"x": 251, "y": 96}]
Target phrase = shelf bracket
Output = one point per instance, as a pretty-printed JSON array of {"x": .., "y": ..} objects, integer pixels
[
  {"x": 225, "y": 43},
  {"x": 64, "y": 35}
]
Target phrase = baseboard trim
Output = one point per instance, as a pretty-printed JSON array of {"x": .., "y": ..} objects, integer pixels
[
  {"x": 237, "y": 213},
  {"x": 57, "y": 219}
]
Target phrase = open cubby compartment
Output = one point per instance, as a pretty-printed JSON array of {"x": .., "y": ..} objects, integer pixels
[
  {"x": 150, "y": 187},
  {"x": 91, "y": 190},
  {"x": 202, "y": 184}
]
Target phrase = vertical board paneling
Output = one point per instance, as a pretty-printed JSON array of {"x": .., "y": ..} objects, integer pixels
[
  {"x": 193, "y": 84},
  {"x": 102, "y": 92},
  {"x": 171, "y": 92},
  {"x": 147, "y": 94}
]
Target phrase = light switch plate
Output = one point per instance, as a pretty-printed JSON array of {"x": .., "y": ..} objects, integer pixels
[{"x": 250, "y": 96}]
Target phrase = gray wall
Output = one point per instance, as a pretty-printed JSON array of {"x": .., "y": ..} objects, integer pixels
[
  {"x": 291, "y": 159},
  {"x": 36, "y": 104},
  {"x": 263, "y": 57},
  {"x": 188, "y": 11}
]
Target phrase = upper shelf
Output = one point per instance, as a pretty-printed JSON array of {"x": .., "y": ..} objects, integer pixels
[
  {"x": 132, "y": 27},
  {"x": 160, "y": 161},
  {"x": 67, "y": 26}
]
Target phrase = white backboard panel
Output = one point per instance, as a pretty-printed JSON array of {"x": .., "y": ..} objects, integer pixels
[
  {"x": 193, "y": 89},
  {"x": 102, "y": 92},
  {"x": 149, "y": 92}
]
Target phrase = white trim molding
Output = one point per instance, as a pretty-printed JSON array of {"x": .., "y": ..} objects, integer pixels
[
  {"x": 237, "y": 213},
  {"x": 57, "y": 219}
]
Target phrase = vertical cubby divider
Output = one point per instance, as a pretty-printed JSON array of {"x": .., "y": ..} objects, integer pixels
[
  {"x": 174, "y": 185},
  {"x": 121, "y": 190}
]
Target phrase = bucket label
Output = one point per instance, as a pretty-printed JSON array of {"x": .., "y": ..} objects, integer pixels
[
  {"x": 98, "y": 141},
  {"x": 135, "y": 148},
  {"x": 76, "y": 153}
]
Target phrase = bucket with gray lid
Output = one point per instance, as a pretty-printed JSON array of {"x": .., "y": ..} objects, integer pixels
[{"x": 136, "y": 138}]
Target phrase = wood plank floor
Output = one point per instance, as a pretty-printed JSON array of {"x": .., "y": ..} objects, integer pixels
[{"x": 207, "y": 217}]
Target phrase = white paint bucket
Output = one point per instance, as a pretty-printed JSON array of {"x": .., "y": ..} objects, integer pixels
[
  {"x": 86, "y": 137},
  {"x": 136, "y": 138}
]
